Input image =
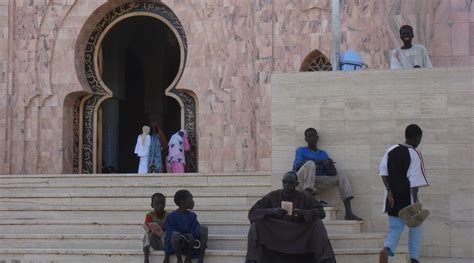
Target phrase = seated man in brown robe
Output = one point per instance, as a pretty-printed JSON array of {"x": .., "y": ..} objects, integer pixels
[{"x": 293, "y": 234}]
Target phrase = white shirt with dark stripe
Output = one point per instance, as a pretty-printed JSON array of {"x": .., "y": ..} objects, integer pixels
[{"x": 415, "y": 173}]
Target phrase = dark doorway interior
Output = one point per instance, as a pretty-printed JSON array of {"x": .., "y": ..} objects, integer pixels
[{"x": 140, "y": 59}]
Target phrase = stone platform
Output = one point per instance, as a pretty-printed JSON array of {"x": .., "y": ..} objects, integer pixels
[{"x": 97, "y": 218}]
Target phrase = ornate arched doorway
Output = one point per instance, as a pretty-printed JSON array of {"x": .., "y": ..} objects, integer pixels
[{"x": 93, "y": 110}]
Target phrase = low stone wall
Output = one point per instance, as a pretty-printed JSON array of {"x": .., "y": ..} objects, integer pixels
[{"x": 360, "y": 114}]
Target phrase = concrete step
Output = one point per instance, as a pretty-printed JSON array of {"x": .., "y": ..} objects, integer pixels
[
  {"x": 107, "y": 227},
  {"x": 47, "y": 201},
  {"x": 97, "y": 218},
  {"x": 127, "y": 227},
  {"x": 445, "y": 260},
  {"x": 178, "y": 180},
  {"x": 126, "y": 213},
  {"x": 367, "y": 256},
  {"x": 212, "y": 174},
  {"x": 132, "y": 241},
  {"x": 99, "y": 212},
  {"x": 357, "y": 240},
  {"x": 144, "y": 190},
  {"x": 136, "y": 255}
]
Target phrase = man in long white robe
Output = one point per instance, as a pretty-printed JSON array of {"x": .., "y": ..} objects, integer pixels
[{"x": 142, "y": 149}]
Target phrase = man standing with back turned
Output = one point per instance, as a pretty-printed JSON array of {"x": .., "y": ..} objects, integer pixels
[{"x": 402, "y": 172}]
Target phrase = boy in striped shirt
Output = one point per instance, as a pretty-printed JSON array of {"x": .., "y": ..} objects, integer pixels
[{"x": 154, "y": 225}]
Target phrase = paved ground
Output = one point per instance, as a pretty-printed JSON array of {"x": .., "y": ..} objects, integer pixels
[{"x": 447, "y": 260}]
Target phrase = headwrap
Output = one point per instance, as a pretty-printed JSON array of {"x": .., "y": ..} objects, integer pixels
[
  {"x": 177, "y": 146},
  {"x": 146, "y": 131}
]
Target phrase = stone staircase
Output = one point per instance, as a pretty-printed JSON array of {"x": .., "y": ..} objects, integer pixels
[{"x": 97, "y": 218}]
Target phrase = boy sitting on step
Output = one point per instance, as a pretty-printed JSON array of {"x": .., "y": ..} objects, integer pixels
[
  {"x": 154, "y": 225},
  {"x": 184, "y": 234}
]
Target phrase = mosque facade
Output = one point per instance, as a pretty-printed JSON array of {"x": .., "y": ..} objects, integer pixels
[{"x": 79, "y": 78}]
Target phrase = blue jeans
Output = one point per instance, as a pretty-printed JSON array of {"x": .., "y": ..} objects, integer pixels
[{"x": 395, "y": 229}]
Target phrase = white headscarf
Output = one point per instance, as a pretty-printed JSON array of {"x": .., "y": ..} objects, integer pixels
[
  {"x": 145, "y": 132},
  {"x": 142, "y": 147}
]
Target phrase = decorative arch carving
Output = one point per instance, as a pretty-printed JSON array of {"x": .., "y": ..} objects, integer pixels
[
  {"x": 85, "y": 126},
  {"x": 316, "y": 61}
]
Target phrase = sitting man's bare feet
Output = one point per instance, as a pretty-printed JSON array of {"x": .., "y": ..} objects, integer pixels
[{"x": 352, "y": 217}]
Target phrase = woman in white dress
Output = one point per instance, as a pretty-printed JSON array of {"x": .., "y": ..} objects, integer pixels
[{"x": 142, "y": 149}]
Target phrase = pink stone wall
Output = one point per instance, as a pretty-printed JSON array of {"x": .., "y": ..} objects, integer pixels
[
  {"x": 234, "y": 46},
  {"x": 453, "y": 24}
]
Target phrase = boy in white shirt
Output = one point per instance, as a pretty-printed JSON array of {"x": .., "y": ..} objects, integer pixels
[{"x": 409, "y": 55}]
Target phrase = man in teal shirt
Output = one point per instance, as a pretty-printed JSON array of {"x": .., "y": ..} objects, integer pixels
[{"x": 316, "y": 171}]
